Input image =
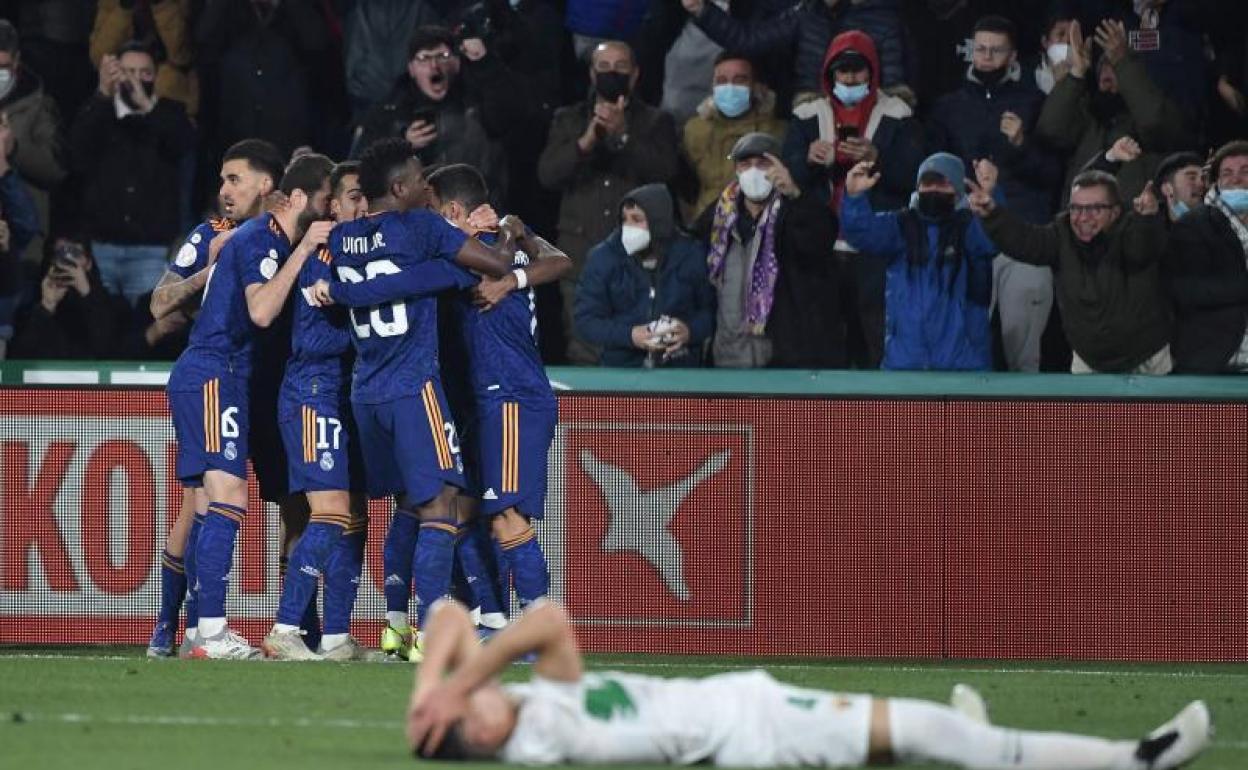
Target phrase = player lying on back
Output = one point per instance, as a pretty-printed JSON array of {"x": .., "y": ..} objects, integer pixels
[
  {"x": 508, "y": 416},
  {"x": 459, "y": 710},
  {"x": 409, "y": 442},
  {"x": 322, "y": 454},
  {"x": 210, "y": 383},
  {"x": 250, "y": 170}
]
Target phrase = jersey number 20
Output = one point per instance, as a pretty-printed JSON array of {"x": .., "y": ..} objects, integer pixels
[{"x": 398, "y": 309}]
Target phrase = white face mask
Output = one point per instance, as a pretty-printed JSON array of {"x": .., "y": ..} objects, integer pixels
[
  {"x": 1057, "y": 53},
  {"x": 634, "y": 238},
  {"x": 754, "y": 183},
  {"x": 7, "y": 79}
]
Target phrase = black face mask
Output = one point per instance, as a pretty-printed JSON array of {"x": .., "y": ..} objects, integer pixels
[
  {"x": 611, "y": 85},
  {"x": 149, "y": 88},
  {"x": 990, "y": 78},
  {"x": 937, "y": 205}
]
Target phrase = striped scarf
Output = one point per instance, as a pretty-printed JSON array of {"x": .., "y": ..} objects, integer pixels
[{"x": 762, "y": 283}]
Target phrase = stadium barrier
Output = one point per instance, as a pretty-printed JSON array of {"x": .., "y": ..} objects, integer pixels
[{"x": 744, "y": 513}]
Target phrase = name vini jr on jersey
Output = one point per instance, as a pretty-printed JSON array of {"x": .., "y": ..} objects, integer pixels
[{"x": 360, "y": 244}]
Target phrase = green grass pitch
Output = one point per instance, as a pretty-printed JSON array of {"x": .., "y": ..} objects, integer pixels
[{"x": 113, "y": 708}]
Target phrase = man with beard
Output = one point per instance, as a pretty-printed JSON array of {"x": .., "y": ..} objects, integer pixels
[
  {"x": 599, "y": 149},
  {"x": 1086, "y": 118},
  {"x": 210, "y": 386},
  {"x": 939, "y": 267}
]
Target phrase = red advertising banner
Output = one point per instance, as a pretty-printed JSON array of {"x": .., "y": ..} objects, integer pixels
[{"x": 768, "y": 526}]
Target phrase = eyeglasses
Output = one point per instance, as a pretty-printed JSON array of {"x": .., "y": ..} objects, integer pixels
[
  {"x": 1092, "y": 209},
  {"x": 429, "y": 58},
  {"x": 993, "y": 51}
]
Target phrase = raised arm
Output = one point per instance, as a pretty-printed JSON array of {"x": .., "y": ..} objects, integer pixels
[
  {"x": 266, "y": 298},
  {"x": 425, "y": 279}
]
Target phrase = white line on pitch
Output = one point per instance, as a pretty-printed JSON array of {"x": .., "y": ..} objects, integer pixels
[{"x": 197, "y": 721}]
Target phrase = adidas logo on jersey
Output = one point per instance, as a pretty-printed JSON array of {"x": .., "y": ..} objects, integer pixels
[
  {"x": 394, "y": 580},
  {"x": 489, "y": 494}
]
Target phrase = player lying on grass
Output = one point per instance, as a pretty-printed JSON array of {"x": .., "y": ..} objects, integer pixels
[{"x": 459, "y": 710}]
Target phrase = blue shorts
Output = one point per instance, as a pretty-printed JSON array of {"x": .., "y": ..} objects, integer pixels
[
  {"x": 510, "y": 443},
  {"x": 322, "y": 448},
  {"x": 211, "y": 424},
  {"x": 409, "y": 445}
]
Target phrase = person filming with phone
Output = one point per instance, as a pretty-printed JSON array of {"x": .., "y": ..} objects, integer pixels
[
  {"x": 855, "y": 122},
  {"x": 71, "y": 315}
]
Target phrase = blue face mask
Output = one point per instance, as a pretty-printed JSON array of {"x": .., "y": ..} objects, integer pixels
[
  {"x": 731, "y": 99},
  {"x": 1235, "y": 200},
  {"x": 851, "y": 95},
  {"x": 1178, "y": 209}
]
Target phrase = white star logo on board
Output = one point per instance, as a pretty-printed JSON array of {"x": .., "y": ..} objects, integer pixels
[{"x": 638, "y": 520}]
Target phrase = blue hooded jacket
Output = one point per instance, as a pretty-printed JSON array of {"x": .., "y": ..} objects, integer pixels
[{"x": 938, "y": 283}]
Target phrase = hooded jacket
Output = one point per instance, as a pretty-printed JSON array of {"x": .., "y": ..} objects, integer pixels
[
  {"x": 807, "y": 29},
  {"x": 616, "y": 293},
  {"x": 890, "y": 126},
  {"x": 709, "y": 138},
  {"x": 938, "y": 283},
  {"x": 38, "y": 150}
]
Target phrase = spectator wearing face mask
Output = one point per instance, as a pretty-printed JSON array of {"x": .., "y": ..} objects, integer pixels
[
  {"x": 993, "y": 116},
  {"x": 738, "y": 105},
  {"x": 1107, "y": 269},
  {"x": 1054, "y": 61},
  {"x": 771, "y": 264},
  {"x": 598, "y": 149},
  {"x": 1206, "y": 272},
  {"x": 853, "y": 123},
  {"x": 644, "y": 299},
  {"x": 939, "y": 267},
  {"x": 1098, "y": 103},
  {"x": 127, "y": 145},
  {"x": 71, "y": 315},
  {"x": 1180, "y": 178}
]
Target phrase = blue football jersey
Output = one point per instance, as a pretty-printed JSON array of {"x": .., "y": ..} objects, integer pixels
[
  {"x": 396, "y": 342},
  {"x": 320, "y": 336},
  {"x": 193, "y": 254},
  {"x": 501, "y": 348},
  {"x": 224, "y": 330}
]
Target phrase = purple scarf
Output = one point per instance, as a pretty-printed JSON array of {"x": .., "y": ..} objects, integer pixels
[{"x": 762, "y": 290}]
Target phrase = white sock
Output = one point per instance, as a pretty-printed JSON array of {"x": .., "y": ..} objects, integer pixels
[
  {"x": 330, "y": 641},
  {"x": 397, "y": 619},
  {"x": 210, "y": 627},
  {"x": 928, "y": 732},
  {"x": 284, "y": 628},
  {"x": 192, "y": 634},
  {"x": 493, "y": 620}
]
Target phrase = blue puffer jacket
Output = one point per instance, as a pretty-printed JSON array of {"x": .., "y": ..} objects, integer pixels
[
  {"x": 616, "y": 293},
  {"x": 805, "y": 30},
  {"x": 611, "y": 19},
  {"x": 935, "y": 309}
]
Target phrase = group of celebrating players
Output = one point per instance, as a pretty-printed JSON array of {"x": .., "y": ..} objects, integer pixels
[{"x": 360, "y": 331}]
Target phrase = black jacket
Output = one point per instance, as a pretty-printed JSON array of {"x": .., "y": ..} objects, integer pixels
[
  {"x": 1207, "y": 279},
  {"x": 85, "y": 328},
  {"x": 130, "y": 170}
]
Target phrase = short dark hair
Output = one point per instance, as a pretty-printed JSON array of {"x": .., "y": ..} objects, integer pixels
[
  {"x": 1234, "y": 149},
  {"x": 380, "y": 162},
  {"x": 724, "y": 56},
  {"x": 260, "y": 155},
  {"x": 1094, "y": 178},
  {"x": 136, "y": 46},
  {"x": 453, "y": 747},
  {"x": 340, "y": 172},
  {"x": 10, "y": 41},
  {"x": 1000, "y": 25},
  {"x": 461, "y": 183},
  {"x": 430, "y": 36},
  {"x": 1175, "y": 163},
  {"x": 307, "y": 173}
]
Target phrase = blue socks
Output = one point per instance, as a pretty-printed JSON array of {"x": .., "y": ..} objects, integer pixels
[
  {"x": 525, "y": 561},
  {"x": 433, "y": 563},
  {"x": 172, "y": 587},
  {"x": 214, "y": 555},
  {"x": 192, "y": 591},
  {"x": 342, "y": 578},
  {"x": 396, "y": 558},
  {"x": 307, "y": 564},
  {"x": 474, "y": 562}
]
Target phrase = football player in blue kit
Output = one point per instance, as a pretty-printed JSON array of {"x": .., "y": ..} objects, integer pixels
[
  {"x": 409, "y": 441},
  {"x": 250, "y": 170},
  {"x": 508, "y": 417},
  {"x": 322, "y": 453},
  {"x": 210, "y": 386}
]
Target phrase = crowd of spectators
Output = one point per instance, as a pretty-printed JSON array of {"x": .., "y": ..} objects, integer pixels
[{"x": 1031, "y": 185}]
